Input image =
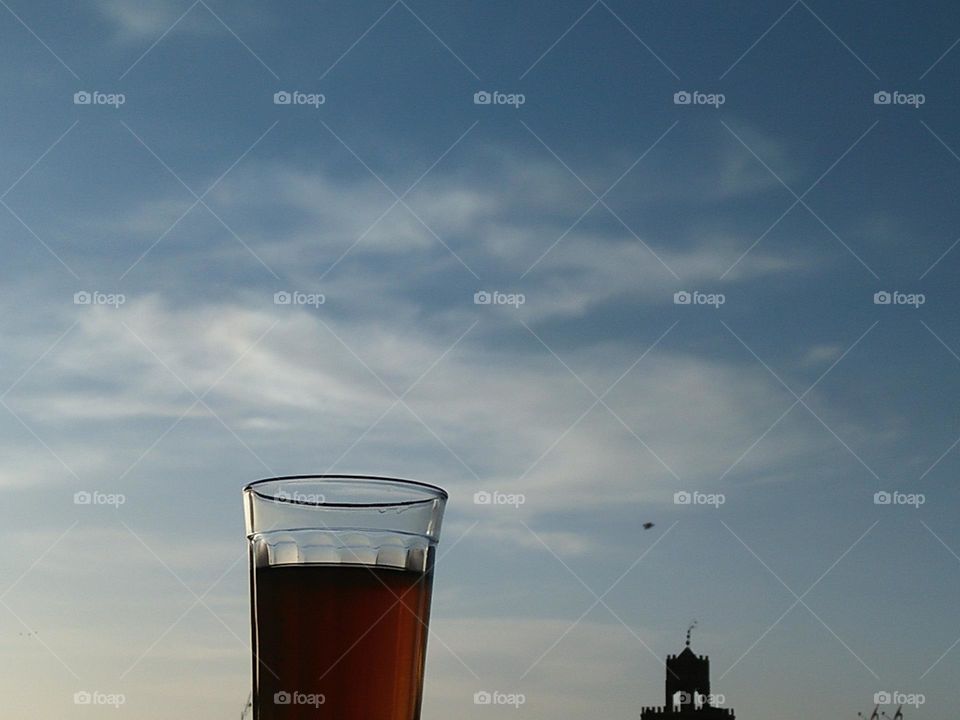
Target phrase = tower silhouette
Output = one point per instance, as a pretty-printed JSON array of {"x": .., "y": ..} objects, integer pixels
[{"x": 687, "y": 690}]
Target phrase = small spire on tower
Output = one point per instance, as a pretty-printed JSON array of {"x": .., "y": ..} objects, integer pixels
[{"x": 690, "y": 630}]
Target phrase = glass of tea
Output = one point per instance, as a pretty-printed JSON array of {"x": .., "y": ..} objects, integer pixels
[{"x": 341, "y": 571}]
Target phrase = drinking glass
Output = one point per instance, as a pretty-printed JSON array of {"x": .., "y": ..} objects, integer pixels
[{"x": 341, "y": 572}]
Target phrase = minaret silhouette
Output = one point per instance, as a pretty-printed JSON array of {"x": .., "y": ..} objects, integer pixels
[{"x": 687, "y": 689}]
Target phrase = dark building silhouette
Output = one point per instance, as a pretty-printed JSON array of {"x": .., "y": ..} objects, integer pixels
[{"x": 687, "y": 694}]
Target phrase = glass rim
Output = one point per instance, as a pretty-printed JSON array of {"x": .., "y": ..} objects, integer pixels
[{"x": 432, "y": 492}]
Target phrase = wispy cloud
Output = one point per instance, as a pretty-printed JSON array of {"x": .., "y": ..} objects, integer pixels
[
  {"x": 350, "y": 235},
  {"x": 138, "y": 20},
  {"x": 693, "y": 412}
]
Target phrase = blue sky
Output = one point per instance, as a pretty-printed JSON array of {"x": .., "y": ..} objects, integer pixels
[{"x": 598, "y": 398}]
